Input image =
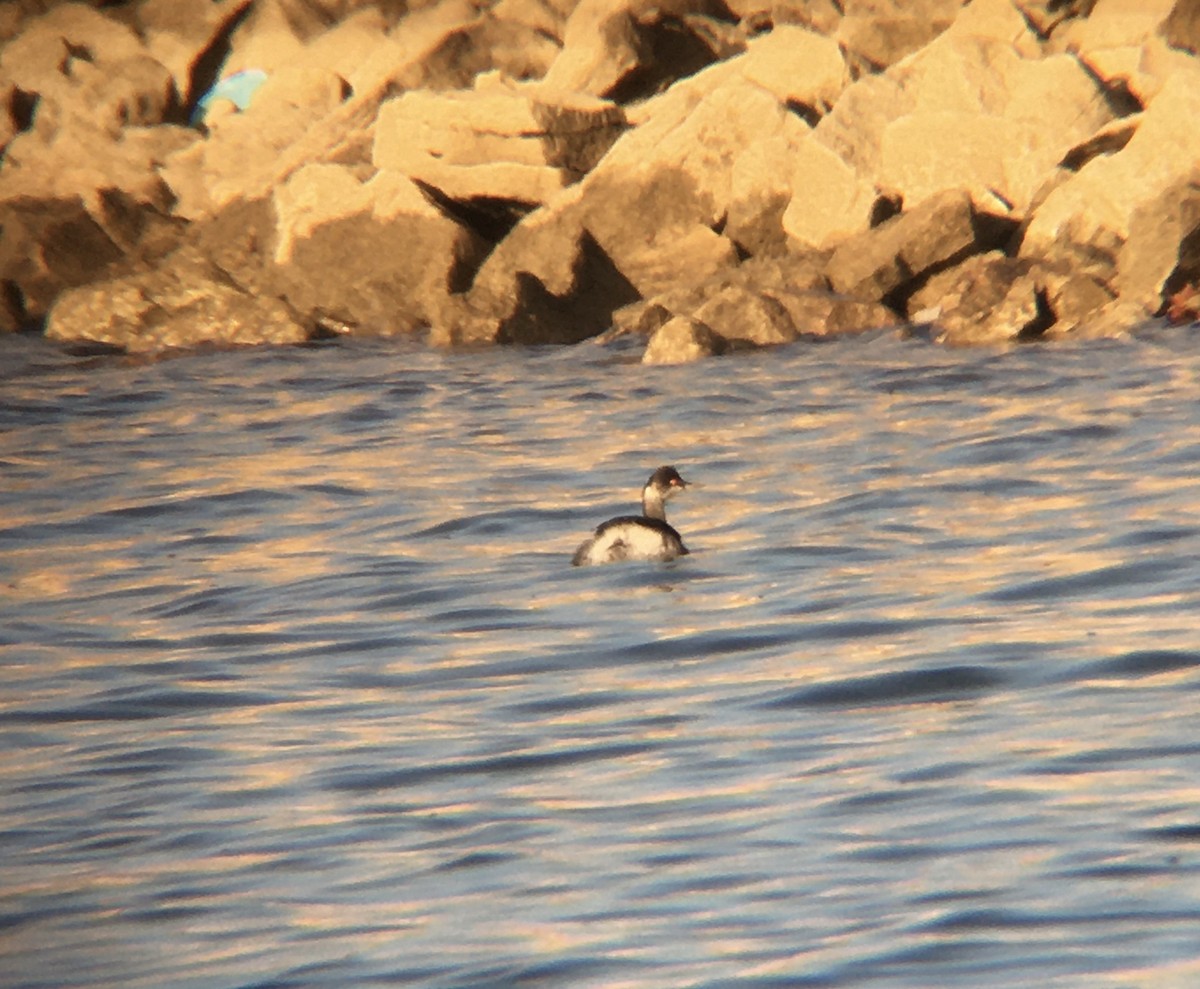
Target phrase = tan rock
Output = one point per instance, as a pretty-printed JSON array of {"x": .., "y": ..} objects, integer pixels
[
  {"x": 881, "y": 261},
  {"x": 240, "y": 159},
  {"x": 185, "y": 303},
  {"x": 760, "y": 191},
  {"x": 41, "y": 58},
  {"x": 179, "y": 34},
  {"x": 1049, "y": 17},
  {"x": 1160, "y": 246},
  {"x": 829, "y": 201},
  {"x": 1002, "y": 139},
  {"x": 1086, "y": 221},
  {"x": 397, "y": 257},
  {"x": 741, "y": 313},
  {"x": 47, "y": 245},
  {"x": 608, "y": 46},
  {"x": 798, "y": 67},
  {"x": 521, "y": 143},
  {"x": 879, "y": 33},
  {"x": 987, "y": 299},
  {"x": 682, "y": 340},
  {"x": 1181, "y": 29}
]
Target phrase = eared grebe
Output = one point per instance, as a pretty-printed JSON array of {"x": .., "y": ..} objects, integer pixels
[{"x": 639, "y": 537}]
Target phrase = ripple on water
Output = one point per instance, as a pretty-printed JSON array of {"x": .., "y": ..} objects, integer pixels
[
  {"x": 296, "y": 678},
  {"x": 903, "y": 687}
]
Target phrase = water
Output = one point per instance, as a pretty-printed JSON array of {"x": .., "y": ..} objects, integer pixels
[{"x": 297, "y": 687}]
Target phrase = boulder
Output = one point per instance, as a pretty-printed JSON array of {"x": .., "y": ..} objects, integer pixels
[
  {"x": 626, "y": 49},
  {"x": 1181, "y": 29},
  {"x": 1048, "y": 16},
  {"x": 655, "y": 207},
  {"x": 763, "y": 302},
  {"x": 828, "y": 201},
  {"x": 496, "y": 141},
  {"x": 47, "y": 245},
  {"x": 967, "y": 111},
  {"x": 1162, "y": 250},
  {"x": 397, "y": 257},
  {"x": 548, "y": 281},
  {"x": 822, "y": 16},
  {"x": 185, "y": 303},
  {"x": 741, "y": 313},
  {"x": 992, "y": 299},
  {"x": 305, "y": 114},
  {"x": 681, "y": 340},
  {"x": 889, "y": 260},
  {"x": 802, "y": 69},
  {"x": 85, "y": 101},
  {"x": 51, "y": 48},
  {"x": 239, "y": 158},
  {"x": 190, "y": 39},
  {"x": 1112, "y": 40},
  {"x": 86, "y": 162},
  {"x": 78, "y": 188},
  {"x": 877, "y": 33},
  {"x": 1002, "y": 145},
  {"x": 987, "y": 299},
  {"x": 1087, "y": 222},
  {"x": 75, "y": 66}
]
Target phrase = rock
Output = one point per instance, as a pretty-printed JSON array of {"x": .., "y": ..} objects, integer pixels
[
  {"x": 763, "y": 302},
  {"x": 707, "y": 151},
  {"x": 828, "y": 200},
  {"x": 274, "y": 35},
  {"x": 548, "y": 281},
  {"x": 518, "y": 143},
  {"x": 1116, "y": 319},
  {"x": 50, "y": 48},
  {"x": 1048, "y": 16},
  {"x": 83, "y": 161},
  {"x": 888, "y": 259},
  {"x": 1161, "y": 252},
  {"x": 821, "y": 16},
  {"x": 190, "y": 39},
  {"x": 1073, "y": 301},
  {"x": 654, "y": 207},
  {"x": 46, "y": 246},
  {"x": 740, "y": 313},
  {"x": 1181, "y": 29},
  {"x": 802, "y": 69},
  {"x": 626, "y": 49},
  {"x": 681, "y": 340},
  {"x": 1085, "y": 223},
  {"x": 1109, "y": 41},
  {"x": 1000, "y": 147},
  {"x": 516, "y": 49},
  {"x": 850, "y": 316},
  {"x": 78, "y": 188},
  {"x": 878, "y": 33},
  {"x": 74, "y": 65},
  {"x": 1107, "y": 140},
  {"x": 991, "y": 298},
  {"x": 987, "y": 299},
  {"x": 397, "y": 257},
  {"x": 311, "y": 114},
  {"x": 967, "y": 111},
  {"x": 185, "y": 303},
  {"x": 239, "y": 159}
]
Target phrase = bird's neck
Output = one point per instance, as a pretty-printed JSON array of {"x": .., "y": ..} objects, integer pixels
[{"x": 653, "y": 505}]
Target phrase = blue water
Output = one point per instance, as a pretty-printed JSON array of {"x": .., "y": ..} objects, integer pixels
[{"x": 298, "y": 687}]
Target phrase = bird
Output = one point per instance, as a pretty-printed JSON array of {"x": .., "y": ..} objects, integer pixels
[{"x": 638, "y": 537}]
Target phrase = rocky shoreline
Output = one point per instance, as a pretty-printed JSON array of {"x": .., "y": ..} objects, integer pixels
[{"x": 708, "y": 174}]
